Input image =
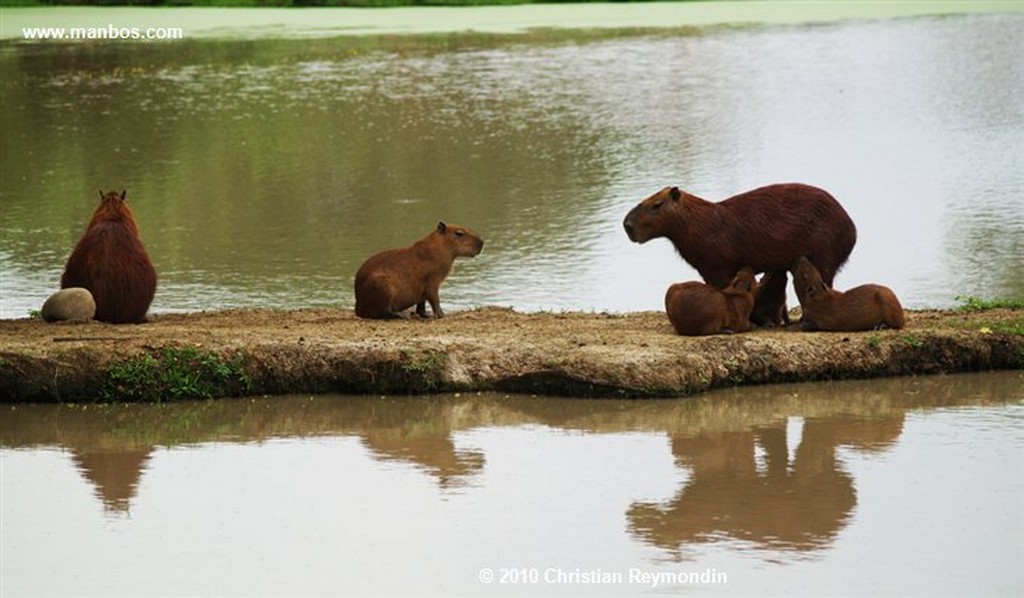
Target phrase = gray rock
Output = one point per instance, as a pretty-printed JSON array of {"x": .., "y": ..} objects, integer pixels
[{"x": 73, "y": 303}]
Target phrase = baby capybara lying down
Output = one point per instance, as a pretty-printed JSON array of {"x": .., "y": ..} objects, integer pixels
[
  {"x": 392, "y": 281},
  {"x": 111, "y": 262},
  {"x": 696, "y": 309},
  {"x": 866, "y": 307}
]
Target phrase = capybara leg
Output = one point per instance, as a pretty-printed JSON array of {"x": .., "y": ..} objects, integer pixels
[
  {"x": 770, "y": 304},
  {"x": 421, "y": 309},
  {"x": 435, "y": 304}
]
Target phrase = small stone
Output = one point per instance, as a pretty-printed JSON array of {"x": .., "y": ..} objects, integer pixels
[{"x": 73, "y": 303}]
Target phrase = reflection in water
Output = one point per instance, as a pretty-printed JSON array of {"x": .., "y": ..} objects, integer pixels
[
  {"x": 419, "y": 432},
  {"x": 743, "y": 485},
  {"x": 114, "y": 473},
  {"x": 332, "y": 492},
  {"x": 760, "y": 464}
]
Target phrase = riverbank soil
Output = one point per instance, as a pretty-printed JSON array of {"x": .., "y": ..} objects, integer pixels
[{"x": 252, "y": 352}]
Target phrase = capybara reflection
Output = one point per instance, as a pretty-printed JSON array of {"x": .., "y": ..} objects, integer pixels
[
  {"x": 696, "y": 309},
  {"x": 112, "y": 263},
  {"x": 866, "y": 307},
  {"x": 766, "y": 229},
  {"x": 394, "y": 280}
]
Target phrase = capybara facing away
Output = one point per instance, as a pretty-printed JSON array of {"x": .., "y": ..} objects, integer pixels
[
  {"x": 697, "y": 309},
  {"x": 111, "y": 262},
  {"x": 766, "y": 229},
  {"x": 866, "y": 307},
  {"x": 394, "y": 280}
]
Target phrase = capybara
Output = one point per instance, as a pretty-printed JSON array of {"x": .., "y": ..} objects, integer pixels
[
  {"x": 866, "y": 307},
  {"x": 394, "y": 280},
  {"x": 73, "y": 304},
  {"x": 766, "y": 229},
  {"x": 696, "y": 309},
  {"x": 112, "y": 263}
]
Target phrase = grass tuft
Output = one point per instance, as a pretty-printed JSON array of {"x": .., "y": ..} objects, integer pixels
[
  {"x": 175, "y": 373},
  {"x": 971, "y": 303}
]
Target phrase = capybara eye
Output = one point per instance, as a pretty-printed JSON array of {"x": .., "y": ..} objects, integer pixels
[
  {"x": 657, "y": 205},
  {"x": 459, "y": 233}
]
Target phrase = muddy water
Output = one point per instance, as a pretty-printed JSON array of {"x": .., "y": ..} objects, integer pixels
[
  {"x": 902, "y": 486},
  {"x": 264, "y": 172}
]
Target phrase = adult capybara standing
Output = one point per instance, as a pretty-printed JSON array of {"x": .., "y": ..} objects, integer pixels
[
  {"x": 112, "y": 263},
  {"x": 866, "y": 307},
  {"x": 394, "y": 280},
  {"x": 766, "y": 229},
  {"x": 697, "y": 309}
]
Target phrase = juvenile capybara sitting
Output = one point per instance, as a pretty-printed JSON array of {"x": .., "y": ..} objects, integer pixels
[
  {"x": 394, "y": 280},
  {"x": 766, "y": 229},
  {"x": 112, "y": 263},
  {"x": 866, "y": 307},
  {"x": 697, "y": 309}
]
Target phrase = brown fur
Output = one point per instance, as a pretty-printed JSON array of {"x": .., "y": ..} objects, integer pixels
[
  {"x": 866, "y": 307},
  {"x": 697, "y": 309},
  {"x": 394, "y": 280},
  {"x": 111, "y": 261},
  {"x": 770, "y": 309},
  {"x": 766, "y": 229}
]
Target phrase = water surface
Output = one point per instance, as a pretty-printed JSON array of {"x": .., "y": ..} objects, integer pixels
[
  {"x": 264, "y": 172},
  {"x": 907, "y": 486}
]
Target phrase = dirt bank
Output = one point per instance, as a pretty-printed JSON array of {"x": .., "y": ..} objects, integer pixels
[{"x": 578, "y": 354}]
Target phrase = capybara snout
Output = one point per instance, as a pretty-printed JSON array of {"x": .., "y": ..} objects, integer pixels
[
  {"x": 646, "y": 221},
  {"x": 466, "y": 242},
  {"x": 392, "y": 281}
]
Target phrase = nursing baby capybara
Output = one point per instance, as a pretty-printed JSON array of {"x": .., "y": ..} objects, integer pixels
[
  {"x": 697, "y": 309},
  {"x": 766, "y": 229},
  {"x": 112, "y": 263},
  {"x": 394, "y": 280},
  {"x": 866, "y": 307}
]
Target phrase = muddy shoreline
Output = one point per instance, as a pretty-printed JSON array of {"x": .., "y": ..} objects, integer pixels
[{"x": 265, "y": 352}]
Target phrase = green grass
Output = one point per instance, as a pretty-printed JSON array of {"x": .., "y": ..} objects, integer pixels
[
  {"x": 174, "y": 373},
  {"x": 912, "y": 341},
  {"x": 972, "y": 303},
  {"x": 425, "y": 368},
  {"x": 1015, "y": 326}
]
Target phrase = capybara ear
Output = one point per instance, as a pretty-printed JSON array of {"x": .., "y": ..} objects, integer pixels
[
  {"x": 674, "y": 193},
  {"x": 123, "y": 193},
  {"x": 441, "y": 226}
]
